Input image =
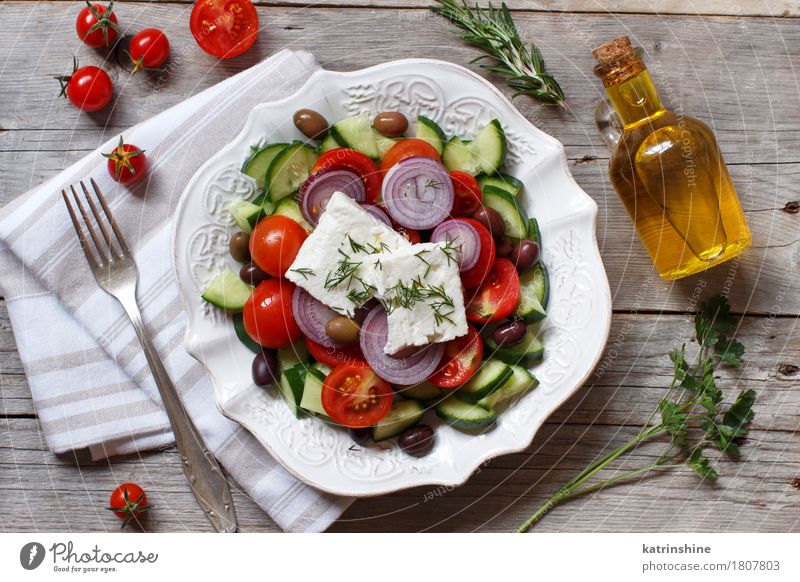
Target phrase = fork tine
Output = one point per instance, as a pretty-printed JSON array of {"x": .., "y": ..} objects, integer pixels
[
  {"x": 102, "y": 199},
  {"x": 100, "y": 221},
  {"x": 79, "y": 231},
  {"x": 97, "y": 244}
]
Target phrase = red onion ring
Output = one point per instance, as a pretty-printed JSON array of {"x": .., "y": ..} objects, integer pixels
[
  {"x": 311, "y": 316},
  {"x": 378, "y": 213},
  {"x": 410, "y": 366},
  {"x": 418, "y": 193},
  {"x": 465, "y": 239},
  {"x": 320, "y": 186}
]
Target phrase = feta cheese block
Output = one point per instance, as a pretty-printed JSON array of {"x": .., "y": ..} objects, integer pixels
[
  {"x": 421, "y": 290},
  {"x": 337, "y": 262}
]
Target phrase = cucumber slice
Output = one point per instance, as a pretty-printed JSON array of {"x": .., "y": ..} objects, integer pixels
[
  {"x": 312, "y": 391},
  {"x": 228, "y": 291},
  {"x": 526, "y": 353},
  {"x": 356, "y": 132},
  {"x": 328, "y": 144},
  {"x": 383, "y": 143},
  {"x": 289, "y": 169},
  {"x": 534, "y": 232},
  {"x": 291, "y": 356},
  {"x": 461, "y": 414},
  {"x": 291, "y": 387},
  {"x": 290, "y": 207},
  {"x": 241, "y": 333},
  {"x": 508, "y": 183},
  {"x": 423, "y": 391},
  {"x": 324, "y": 368},
  {"x": 512, "y": 213},
  {"x": 428, "y": 130},
  {"x": 534, "y": 292},
  {"x": 520, "y": 382},
  {"x": 491, "y": 375},
  {"x": 257, "y": 164},
  {"x": 246, "y": 214},
  {"x": 401, "y": 415},
  {"x": 457, "y": 155},
  {"x": 489, "y": 147}
]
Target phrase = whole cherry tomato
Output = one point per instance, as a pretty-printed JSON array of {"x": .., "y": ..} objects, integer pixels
[
  {"x": 88, "y": 88},
  {"x": 149, "y": 49},
  {"x": 224, "y": 28},
  {"x": 127, "y": 164},
  {"x": 96, "y": 25},
  {"x": 268, "y": 317},
  {"x": 275, "y": 242},
  {"x": 128, "y": 502}
]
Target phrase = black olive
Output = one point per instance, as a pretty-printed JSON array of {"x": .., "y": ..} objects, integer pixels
[
  {"x": 510, "y": 333},
  {"x": 265, "y": 369},
  {"x": 360, "y": 436},
  {"x": 525, "y": 255},
  {"x": 491, "y": 219},
  {"x": 504, "y": 247},
  {"x": 390, "y": 123},
  {"x": 252, "y": 275},
  {"x": 417, "y": 440},
  {"x": 240, "y": 247},
  {"x": 311, "y": 123}
]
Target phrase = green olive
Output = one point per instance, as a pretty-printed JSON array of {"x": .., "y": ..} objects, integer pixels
[
  {"x": 390, "y": 123},
  {"x": 240, "y": 247},
  {"x": 311, "y": 123},
  {"x": 342, "y": 330}
]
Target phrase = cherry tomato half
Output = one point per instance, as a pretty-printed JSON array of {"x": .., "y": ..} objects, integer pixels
[
  {"x": 474, "y": 276},
  {"x": 462, "y": 358},
  {"x": 96, "y": 25},
  {"x": 498, "y": 295},
  {"x": 224, "y": 28},
  {"x": 354, "y": 396},
  {"x": 149, "y": 49},
  {"x": 127, "y": 164},
  {"x": 275, "y": 242},
  {"x": 468, "y": 196},
  {"x": 268, "y": 317},
  {"x": 409, "y": 147},
  {"x": 334, "y": 356},
  {"x": 359, "y": 163},
  {"x": 89, "y": 88},
  {"x": 128, "y": 502}
]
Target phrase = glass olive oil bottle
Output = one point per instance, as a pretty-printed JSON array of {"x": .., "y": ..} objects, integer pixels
[{"x": 668, "y": 171}]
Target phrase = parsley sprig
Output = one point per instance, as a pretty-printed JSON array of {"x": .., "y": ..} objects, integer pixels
[{"x": 693, "y": 413}]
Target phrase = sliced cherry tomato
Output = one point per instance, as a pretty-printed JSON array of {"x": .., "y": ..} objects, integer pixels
[
  {"x": 268, "y": 317},
  {"x": 359, "y": 163},
  {"x": 275, "y": 242},
  {"x": 88, "y": 88},
  {"x": 409, "y": 147},
  {"x": 334, "y": 356},
  {"x": 97, "y": 25},
  {"x": 224, "y": 28},
  {"x": 410, "y": 234},
  {"x": 127, "y": 164},
  {"x": 149, "y": 49},
  {"x": 128, "y": 502},
  {"x": 354, "y": 396},
  {"x": 474, "y": 276},
  {"x": 468, "y": 196},
  {"x": 497, "y": 296},
  {"x": 462, "y": 358}
]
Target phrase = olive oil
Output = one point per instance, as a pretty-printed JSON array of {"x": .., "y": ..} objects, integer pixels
[{"x": 669, "y": 173}]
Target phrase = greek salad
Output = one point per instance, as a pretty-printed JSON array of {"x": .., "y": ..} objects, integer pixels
[{"x": 385, "y": 275}]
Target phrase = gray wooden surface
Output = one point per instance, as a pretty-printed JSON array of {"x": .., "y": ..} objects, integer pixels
[{"x": 733, "y": 66}]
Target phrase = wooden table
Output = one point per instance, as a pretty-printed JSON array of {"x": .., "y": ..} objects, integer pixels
[{"x": 734, "y": 67}]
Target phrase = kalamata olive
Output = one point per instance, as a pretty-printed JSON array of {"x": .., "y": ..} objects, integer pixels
[
  {"x": 509, "y": 333},
  {"x": 240, "y": 247},
  {"x": 390, "y": 123},
  {"x": 504, "y": 246},
  {"x": 265, "y": 369},
  {"x": 417, "y": 440},
  {"x": 252, "y": 275},
  {"x": 491, "y": 219},
  {"x": 360, "y": 436},
  {"x": 311, "y": 123},
  {"x": 525, "y": 255},
  {"x": 342, "y": 330}
]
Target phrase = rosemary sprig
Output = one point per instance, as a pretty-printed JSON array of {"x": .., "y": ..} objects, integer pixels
[
  {"x": 692, "y": 414},
  {"x": 493, "y": 31}
]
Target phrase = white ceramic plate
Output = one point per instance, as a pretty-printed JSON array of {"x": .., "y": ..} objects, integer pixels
[{"x": 574, "y": 332}]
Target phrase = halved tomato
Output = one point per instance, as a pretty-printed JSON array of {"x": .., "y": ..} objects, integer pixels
[
  {"x": 497, "y": 296},
  {"x": 468, "y": 196},
  {"x": 268, "y": 317},
  {"x": 359, "y": 163},
  {"x": 462, "y": 357},
  {"x": 334, "y": 356},
  {"x": 409, "y": 147},
  {"x": 354, "y": 396},
  {"x": 474, "y": 276}
]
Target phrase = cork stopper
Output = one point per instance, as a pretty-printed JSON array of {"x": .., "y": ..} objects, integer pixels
[{"x": 617, "y": 61}]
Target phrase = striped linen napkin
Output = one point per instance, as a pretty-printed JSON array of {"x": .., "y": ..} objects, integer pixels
[{"x": 88, "y": 376}]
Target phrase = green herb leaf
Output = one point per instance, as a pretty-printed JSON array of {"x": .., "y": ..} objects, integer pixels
[{"x": 701, "y": 465}]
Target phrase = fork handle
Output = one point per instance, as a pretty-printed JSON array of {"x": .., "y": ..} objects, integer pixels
[{"x": 205, "y": 477}]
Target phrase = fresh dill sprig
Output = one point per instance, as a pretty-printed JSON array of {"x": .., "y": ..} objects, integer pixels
[
  {"x": 692, "y": 413},
  {"x": 433, "y": 184},
  {"x": 356, "y": 247},
  {"x": 345, "y": 270},
  {"x": 381, "y": 248},
  {"x": 421, "y": 258},
  {"x": 305, "y": 272},
  {"x": 361, "y": 296},
  {"x": 493, "y": 31},
  {"x": 449, "y": 249}
]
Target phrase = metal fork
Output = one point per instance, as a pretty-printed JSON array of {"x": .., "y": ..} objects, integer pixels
[{"x": 115, "y": 271}]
